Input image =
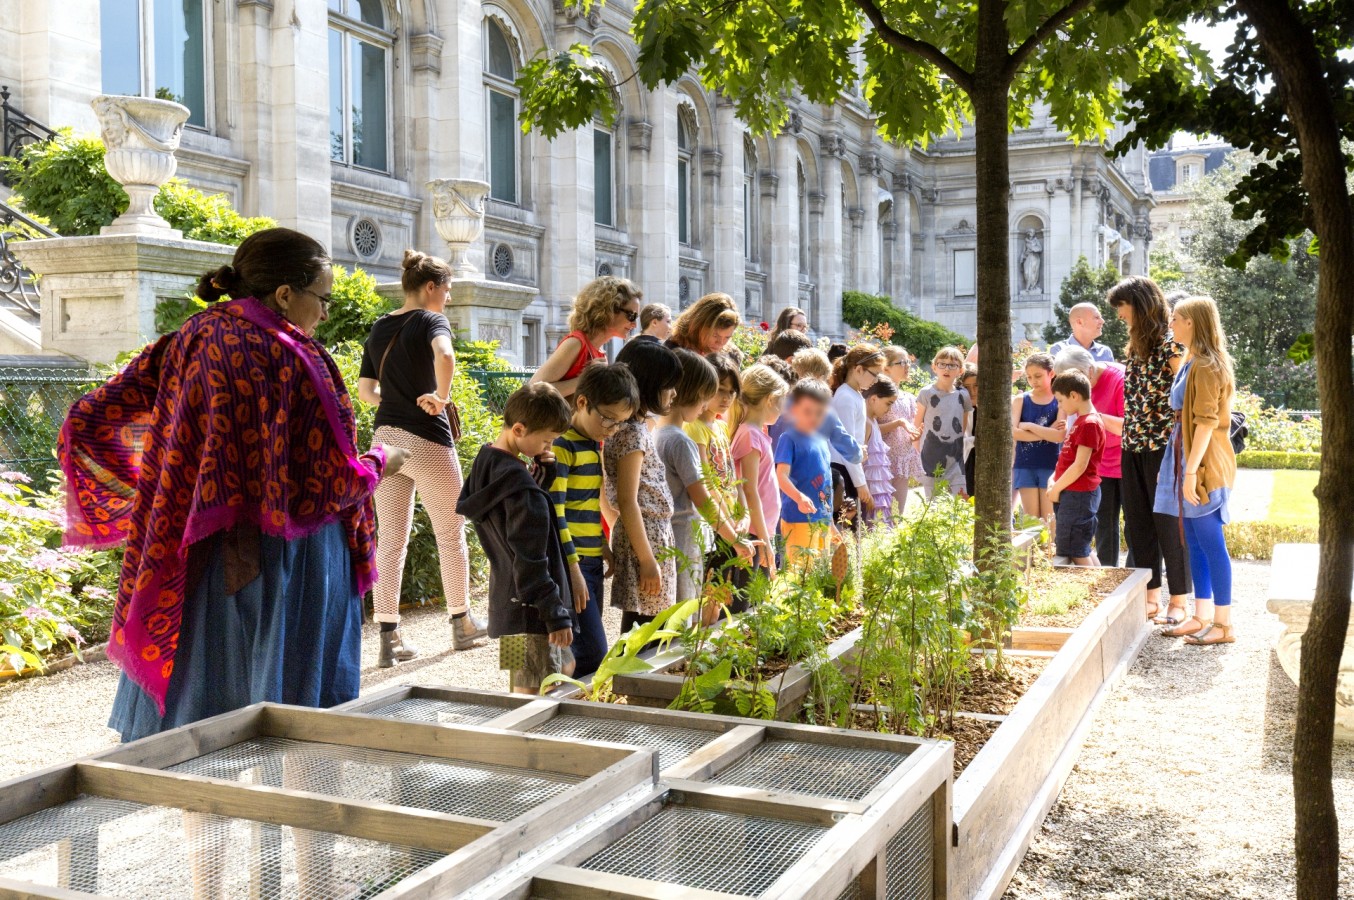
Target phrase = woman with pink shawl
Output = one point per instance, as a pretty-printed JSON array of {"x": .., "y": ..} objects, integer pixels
[{"x": 224, "y": 457}]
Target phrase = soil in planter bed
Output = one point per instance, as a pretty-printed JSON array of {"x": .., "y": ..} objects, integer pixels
[
  {"x": 1084, "y": 587},
  {"x": 970, "y": 735},
  {"x": 988, "y": 692}
]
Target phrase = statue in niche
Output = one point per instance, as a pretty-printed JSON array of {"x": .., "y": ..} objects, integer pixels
[{"x": 1031, "y": 263}]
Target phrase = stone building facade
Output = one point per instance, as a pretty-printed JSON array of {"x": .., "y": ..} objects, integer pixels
[{"x": 332, "y": 115}]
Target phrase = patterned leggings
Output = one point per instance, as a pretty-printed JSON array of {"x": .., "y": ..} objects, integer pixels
[{"x": 434, "y": 472}]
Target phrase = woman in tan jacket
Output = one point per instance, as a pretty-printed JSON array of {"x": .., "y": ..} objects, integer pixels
[{"x": 1199, "y": 469}]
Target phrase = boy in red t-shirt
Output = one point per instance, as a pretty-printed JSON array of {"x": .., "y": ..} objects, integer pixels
[{"x": 1075, "y": 488}]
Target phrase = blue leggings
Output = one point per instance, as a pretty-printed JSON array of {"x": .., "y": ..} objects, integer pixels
[{"x": 1208, "y": 560}]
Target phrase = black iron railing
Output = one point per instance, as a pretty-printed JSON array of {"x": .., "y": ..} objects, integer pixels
[
  {"x": 18, "y": 128},
  {"x": 18, "y": 286}
]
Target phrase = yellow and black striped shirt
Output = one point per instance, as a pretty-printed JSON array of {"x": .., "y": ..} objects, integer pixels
[{"x": 577, "y": 492}]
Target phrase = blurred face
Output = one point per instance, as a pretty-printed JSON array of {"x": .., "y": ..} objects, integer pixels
[
  {"x": 807, "y": 415},
  {"x": 723, "y": 398},
  {"x": 532, "y": 443},
  {"x": 600, "y": 422},
  {"x": 862, "y": 377},
  {"x": 306, "y": 307},
  {"x": 878, "y": 407},
  {"x": 800, "y": 323},
  {"x": 660, "y": 328},
  {"x": 1182, "y": 328},
  {"x": 1038, "y": 377},
  {"x": 898, "y": 371},
  {"x": 436, "y": 296},
  {"x": 691, "y": 412},
  {"x": 624, "y": 319},
  {"x": 716, "y": 339}
]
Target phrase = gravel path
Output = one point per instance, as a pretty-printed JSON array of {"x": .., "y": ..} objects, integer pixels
[
  {"x": 1183, "y": 788},
  {"x": 60, "y": 717}
]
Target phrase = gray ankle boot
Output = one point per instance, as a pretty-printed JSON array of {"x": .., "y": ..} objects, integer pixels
[
  {"x": 465, "y": 631},
  {"x": 395, "y": 649}
]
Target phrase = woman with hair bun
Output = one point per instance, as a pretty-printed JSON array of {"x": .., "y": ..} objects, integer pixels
[
  {"x": 225, "y": 457},
  {"x": 407, "y": 367},
  {"x": 606, "y": 308}
]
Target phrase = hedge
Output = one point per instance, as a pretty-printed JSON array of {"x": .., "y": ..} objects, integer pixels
[
  {"x": 1256, "y": 540},
  {"x": 1277, "y": 459},
  {"x": 921, "y": 338}
]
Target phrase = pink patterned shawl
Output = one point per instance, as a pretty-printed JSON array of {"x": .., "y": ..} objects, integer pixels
[{"x": 237, "y": 417}]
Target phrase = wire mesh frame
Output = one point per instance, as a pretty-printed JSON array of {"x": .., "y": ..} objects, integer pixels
[
  {"x": 494, "y": 792},
  {"x": 436, "y": 711},
  {"x": 120, "y": 848},
  {"x": 909, "y": 858},
  {"x": 673, "y": 742},
  {"x": 819, "y": 770},
  {"x": 33, "y": 404},
  {"x": 708, "y": 849}
]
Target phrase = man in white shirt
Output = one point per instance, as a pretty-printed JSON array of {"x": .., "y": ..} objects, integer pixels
[{"x": 1087, "y": 325}]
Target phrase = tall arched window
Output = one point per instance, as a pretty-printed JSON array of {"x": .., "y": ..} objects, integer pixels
[
  {"x": 802, "y": 199},
  {"x": 685, "y": 146},
  {"x": 156, "y": 48},
  {"x": 499, "y": 71},
  {"x": 359, "y": 84},
  {"x": 604, "y": 177},
  {"x": 750, "y": 201}
]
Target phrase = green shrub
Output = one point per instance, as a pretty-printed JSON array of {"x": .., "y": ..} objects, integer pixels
[
  {"x": 921, "y": 338},
  {"x": 1275, "y": 459},
  {"x": 1271, "y": 429},
  {"x": 1256, "y": 540},
  {"x": 355, "y": 308},
  {"x": 64, "y": 182}
]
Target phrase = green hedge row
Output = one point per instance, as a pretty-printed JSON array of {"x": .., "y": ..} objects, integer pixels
[
  {"x": 921, "y": 338},
  {"x": 1256, "y": 540},
  {"x": 1278, "y": 459}
]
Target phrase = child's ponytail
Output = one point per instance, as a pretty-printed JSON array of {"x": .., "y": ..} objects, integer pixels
[{"x": 859, "y": 355}]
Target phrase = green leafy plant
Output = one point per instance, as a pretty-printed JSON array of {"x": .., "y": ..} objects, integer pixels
[
  {"x": 206, "y": 217},
  {"x": 624, "y": 656},
  {"x": 920, "y": 337},
  {"x": 354, "y": 308},
  {"x": 1276, "y": 459},
  {"x": 1273, "y": 430}
]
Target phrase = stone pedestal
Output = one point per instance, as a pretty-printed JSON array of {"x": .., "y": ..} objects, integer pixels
[
  {"x": 99, "y": 293},
  {"x": 482, "y": 310},
  {"x": 1292, "y": 587}
]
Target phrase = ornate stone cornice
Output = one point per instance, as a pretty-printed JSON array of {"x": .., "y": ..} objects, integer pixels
[
  {"x": 425, "y": 52},
  {"x": 770, "y": 184},
  {"x": 639, "y": 134},
  {"x": 712, "y": 161}
]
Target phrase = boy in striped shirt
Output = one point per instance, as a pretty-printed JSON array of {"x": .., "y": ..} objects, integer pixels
[{"x": 605, "y": 397}]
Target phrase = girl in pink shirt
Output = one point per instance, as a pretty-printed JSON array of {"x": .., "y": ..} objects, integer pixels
[{"x": 758, "y": 406}]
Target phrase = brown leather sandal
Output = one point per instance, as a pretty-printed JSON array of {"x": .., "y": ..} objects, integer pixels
[
  {"x": 1181, "y": 629},
  {"x": 1213, "y": 634}
]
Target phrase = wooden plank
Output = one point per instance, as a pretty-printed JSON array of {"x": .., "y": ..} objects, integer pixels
[
  {"x": 748, "y": 801},
  {"x": 717, "y": 755},
  {"x": 679, "y": 717},
  {"x": 28, "y": 794},
  {"x": 160, "y": 751},
  {"x": 468, "y": 743},
  {"x": 283, "y": 806},
  {"x": 382, "y": 697},
  {"x": 1030, "y": 638},
  {"x": 14, "y": 889},
  {"x": 565, "y": 883},
  {"x": 527, "y": 716}
]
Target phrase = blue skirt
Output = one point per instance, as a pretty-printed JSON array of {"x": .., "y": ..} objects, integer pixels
[
  {"x": 1169, "y": 498},
  {"x": 292, "y": 635}
]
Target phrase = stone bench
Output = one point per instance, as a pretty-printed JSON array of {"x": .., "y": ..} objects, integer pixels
[{"x": 1292, "y": 587}]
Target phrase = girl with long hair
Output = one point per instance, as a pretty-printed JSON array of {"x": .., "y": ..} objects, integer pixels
[
  {"x": 1199, "y": 469},
  {"x": 606, "y": 308},
  {"x": 407, "y": 367},
  {"x": 852, "y": 374},
  {"x": 758, "y": 406},
  {"x": 1153, "y": 358}
]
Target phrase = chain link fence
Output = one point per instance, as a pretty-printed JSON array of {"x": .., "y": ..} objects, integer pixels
[
  {"x": 497, "y": 387},
  {"x": 33, "y": 404}
]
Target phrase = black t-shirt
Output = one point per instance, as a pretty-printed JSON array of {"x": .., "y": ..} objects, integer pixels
[{"x": 409, "y": 372}]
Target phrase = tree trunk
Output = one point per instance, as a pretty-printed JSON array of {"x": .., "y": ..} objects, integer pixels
[
  {"x": 1297, "y": 68},
  {"x": 991, "y": 130}
]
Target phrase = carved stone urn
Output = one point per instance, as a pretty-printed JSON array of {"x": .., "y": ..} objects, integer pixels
[
  {"x": 141, "y": 135},
  {"x": 458, "y": 213}
]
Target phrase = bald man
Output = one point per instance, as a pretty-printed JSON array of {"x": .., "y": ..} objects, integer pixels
[{"x": 1087, "y": 325}]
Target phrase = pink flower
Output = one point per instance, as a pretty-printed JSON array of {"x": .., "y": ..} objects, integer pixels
[
  {"x": 68, "y": 631},
  {"x": 15, "y": 476},
  {"x": 96, "y": 593},
  {"x": 47, "y": 560},
  {"x": 35, "y": 613}
]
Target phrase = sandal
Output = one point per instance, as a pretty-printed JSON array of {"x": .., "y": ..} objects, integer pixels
[
  {"x": 1170, "y": 620},
  {"x": 1153, "y": 607},
  {"x": 1213, "y": 634},
  {"x": 1179, "y": 629}
]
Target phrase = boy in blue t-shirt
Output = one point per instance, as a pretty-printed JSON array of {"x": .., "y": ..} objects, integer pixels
[{"x": 804, "y": 472}]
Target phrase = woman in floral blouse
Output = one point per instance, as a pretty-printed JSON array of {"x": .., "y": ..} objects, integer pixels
[{"x": 1153, "y": 359}]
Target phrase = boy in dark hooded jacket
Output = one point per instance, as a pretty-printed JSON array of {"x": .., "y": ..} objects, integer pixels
[{"x": 514, "y": 516}]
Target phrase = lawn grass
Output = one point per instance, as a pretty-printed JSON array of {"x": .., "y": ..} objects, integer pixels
[{"x": 1292, "y": 501}]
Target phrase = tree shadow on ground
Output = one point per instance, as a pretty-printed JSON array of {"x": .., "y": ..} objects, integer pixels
[{"x": 1281, "y": 700}]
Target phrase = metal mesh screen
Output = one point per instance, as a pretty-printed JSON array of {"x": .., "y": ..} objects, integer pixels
[
  {"x": 821, "y": 770},
  {"x": 852, "y": 891},
  {"x": 909, "y": 859},
  {"x": 673, "y": 742},
  {"x": 499, "y": 793},
  {"x": 437, "y": 712},
  {"x": 122, "y": 849},
  {"x": 701, "y": 848},
  {"x": 33, "y": 404}
]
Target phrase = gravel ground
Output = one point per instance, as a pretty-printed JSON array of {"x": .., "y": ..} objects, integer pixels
[
  {"x": 1183, "y": 788},
  {"x": 62, "y": 716}
]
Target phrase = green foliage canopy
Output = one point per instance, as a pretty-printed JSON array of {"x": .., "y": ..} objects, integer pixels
[{"x": 921, "y": 338}]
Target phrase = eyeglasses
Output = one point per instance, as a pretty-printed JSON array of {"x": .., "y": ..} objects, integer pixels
[
  {"x": 630, "y": 314},
  {"x": 607, "y": 421},
  {"x": 949, "y": 366},
  {"x": 325, "y": 299}
]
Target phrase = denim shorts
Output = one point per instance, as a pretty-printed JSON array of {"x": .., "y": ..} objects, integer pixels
[
  {"x": 1030, "y": 478},
  {"x": 1075, "y": 522}
]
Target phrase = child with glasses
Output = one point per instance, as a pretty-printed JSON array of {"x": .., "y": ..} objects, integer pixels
[{"x": 943, "y": 412}]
